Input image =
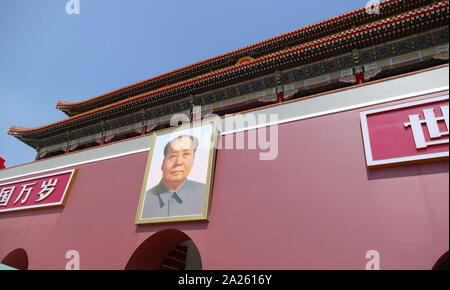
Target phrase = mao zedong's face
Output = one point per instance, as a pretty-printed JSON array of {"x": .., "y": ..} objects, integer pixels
[{"x": 178, "y": 162}]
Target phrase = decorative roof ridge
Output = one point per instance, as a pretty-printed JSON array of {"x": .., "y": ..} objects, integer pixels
[
  {"x": 65, "y": 105},
  {"x": 15, "y": 130}
]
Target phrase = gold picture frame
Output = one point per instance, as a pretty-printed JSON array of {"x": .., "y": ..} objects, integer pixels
[{"x": 159, "y": 138}]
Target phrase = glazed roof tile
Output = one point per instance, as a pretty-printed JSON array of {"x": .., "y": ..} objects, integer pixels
[
  {"x": 69, "y": 107},
  {"x": 214, "y": 76}
]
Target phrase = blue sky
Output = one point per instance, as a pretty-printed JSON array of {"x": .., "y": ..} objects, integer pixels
[{"x": 47, "y": 55}]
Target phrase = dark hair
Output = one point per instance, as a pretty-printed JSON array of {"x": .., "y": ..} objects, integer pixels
[{"x": 193, "y": 139}]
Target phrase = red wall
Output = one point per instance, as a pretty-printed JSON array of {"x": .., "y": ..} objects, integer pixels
[{"x": 316, "y": 206}]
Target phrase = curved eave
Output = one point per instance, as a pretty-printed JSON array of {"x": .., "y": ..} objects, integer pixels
[
  {"x": 74, "y": 108},
  {"x": 366, "y": 33}
]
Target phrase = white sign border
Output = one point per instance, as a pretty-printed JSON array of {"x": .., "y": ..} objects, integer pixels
[
  {"x": 60, "y": 202},
  {"x": 366, "y": 137}
]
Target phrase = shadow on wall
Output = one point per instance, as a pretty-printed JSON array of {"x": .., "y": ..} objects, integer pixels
[
  {"x": 166, "y": 250},
  {"x": 29, "y": 213},
  {"x": 17, "y": 259},
  {"x": 417, "y": 169}
]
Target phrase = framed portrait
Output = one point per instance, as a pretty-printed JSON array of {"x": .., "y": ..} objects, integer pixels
[{"x": 178, "y": 178}]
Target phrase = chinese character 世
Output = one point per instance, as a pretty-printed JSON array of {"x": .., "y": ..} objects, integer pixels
[{"x": 431, "y": 122}]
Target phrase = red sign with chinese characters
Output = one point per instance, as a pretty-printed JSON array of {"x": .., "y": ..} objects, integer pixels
[
  {"x": 36, "y": 192},
  {"x": 406, "y": 132}
]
